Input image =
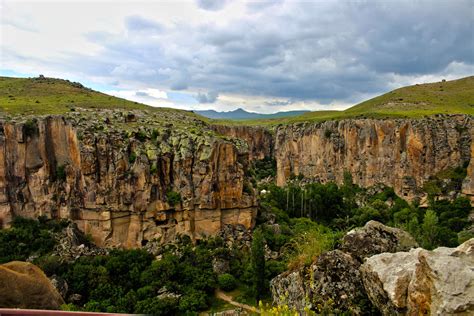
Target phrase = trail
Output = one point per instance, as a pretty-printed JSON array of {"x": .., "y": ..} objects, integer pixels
[{"x": 228, "y": 299}]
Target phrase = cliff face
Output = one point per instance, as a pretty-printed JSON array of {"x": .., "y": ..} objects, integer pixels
[
  {"x": 119, "y": 187},
  {"x": 260, "y": 141},
  {"x": 402, "y": 153}
]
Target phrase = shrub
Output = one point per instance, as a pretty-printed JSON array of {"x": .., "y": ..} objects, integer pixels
[
  {"x": 30, "y": 128},
  {"x": 173, "y": 198},
  {"x": 310, "y": 242},
  {"x": 327, "y": 133},
  {"x": 141, "y": 136},
  {"x": 61, "y": 173},
  {"x": 227, "y": 282},
  {"x": 132, "y": 157}
]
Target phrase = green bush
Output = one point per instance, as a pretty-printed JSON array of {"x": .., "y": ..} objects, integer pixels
[
  {"x": 227, "y": 282},
  {"x": 173, "y": 198},
  {"x": 61, "y": 173},
  {"x": 141, "y": 136},
  {"x": 132, "y": 157},
  {"x": 30, "y": 128}
]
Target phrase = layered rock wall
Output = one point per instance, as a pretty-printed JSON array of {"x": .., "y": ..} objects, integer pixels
[
  {"x": 260, "y": 140},
  {"x": 117, "y": 188},
  {"x": 401, "y": 153}
]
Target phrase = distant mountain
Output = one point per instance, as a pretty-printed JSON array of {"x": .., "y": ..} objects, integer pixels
[{"x": 241, "y": 114}]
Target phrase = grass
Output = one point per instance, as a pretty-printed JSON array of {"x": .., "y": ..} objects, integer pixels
[
  {"x": 447, "y": 97},
  {"x": 36, "y": 96},
  {"x": 41, "y": 96}
]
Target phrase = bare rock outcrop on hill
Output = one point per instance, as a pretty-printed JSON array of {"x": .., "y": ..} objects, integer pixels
[{"x": 24, "y": 285}]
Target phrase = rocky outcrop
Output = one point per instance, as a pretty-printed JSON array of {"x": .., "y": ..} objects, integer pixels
[
  {"x": 124, "y": 178},
  {"x": 400, "y": 153},
  {"x": 24, "y": 285},
  {"x": 421, "y": 282},
  {"x": 468, "y": 184},
  {"x": 334, "y": 276},
  {"x": 375, "y": 238},
  {"x": 260, "y": 141}
]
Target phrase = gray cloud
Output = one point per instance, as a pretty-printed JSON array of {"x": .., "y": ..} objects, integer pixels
[
  {"x": 209, "y": 97},
  {"x": 318, "y": 51},
  {"x": 138, "y": 23},
  {"x": 212, "y": 5}
]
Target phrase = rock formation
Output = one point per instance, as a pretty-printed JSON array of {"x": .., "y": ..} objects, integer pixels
[
  {"x": 421, "y": 282},
  {"x": 24, "y": 285},
  {"x": 335, "y": 276},
  {"x": 375, "y": 238},
  {"x": 124, "y": 178},
  {"x": 260, "y": 141},
  {"x": 400, "y": 153}
]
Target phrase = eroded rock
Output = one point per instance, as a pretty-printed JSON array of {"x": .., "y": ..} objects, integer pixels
[
  {"x": 419, "y": 282},
  {"x": 375, "y": 238},
  {"x": 24, "y": 285}
]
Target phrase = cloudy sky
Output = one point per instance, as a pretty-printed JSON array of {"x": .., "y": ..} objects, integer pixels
[{"x": 264, "y": 56}]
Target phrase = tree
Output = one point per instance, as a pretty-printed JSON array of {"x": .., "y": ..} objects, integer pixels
[
  {"x": 258, "y": 263},
  {"x": 430, "y": 229}
]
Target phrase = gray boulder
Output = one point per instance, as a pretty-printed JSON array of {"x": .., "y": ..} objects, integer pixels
[
  {"x": 421, "y": 282},
  {"x": 375, "y": 238}
]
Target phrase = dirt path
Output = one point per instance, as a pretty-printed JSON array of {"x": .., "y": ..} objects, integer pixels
[{"x": 228, "y": 299}]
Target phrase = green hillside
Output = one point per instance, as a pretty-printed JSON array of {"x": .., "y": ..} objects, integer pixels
[
  {"x": 447, "y": 97},
  {"x": 26, "y": 96},
  {"x": 22, "y": 96}
]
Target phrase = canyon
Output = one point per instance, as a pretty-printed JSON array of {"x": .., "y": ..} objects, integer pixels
[{"x": 126, "y": 178}]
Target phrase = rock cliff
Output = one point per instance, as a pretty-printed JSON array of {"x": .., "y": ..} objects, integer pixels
[
  {"x": 124, "y": 178},
  {"x": 401, "y": 153}
]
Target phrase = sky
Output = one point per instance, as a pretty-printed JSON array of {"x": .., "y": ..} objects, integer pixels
[{"x": 264, "y": 56}]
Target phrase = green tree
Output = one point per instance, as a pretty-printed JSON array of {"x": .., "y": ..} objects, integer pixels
[
  {"x": 429, "y": 229},
  {"x": 258, "y": 263}
]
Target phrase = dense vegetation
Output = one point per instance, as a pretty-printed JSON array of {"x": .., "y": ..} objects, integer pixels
[{"x": 295, "y": 224}]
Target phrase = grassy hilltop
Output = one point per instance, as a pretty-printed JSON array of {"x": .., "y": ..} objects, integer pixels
[
  {"x": 447, "y": 97},
  {"x": 23, "y": 96}
]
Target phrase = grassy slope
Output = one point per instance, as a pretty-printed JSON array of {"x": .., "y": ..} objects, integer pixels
[
  {"x": 23, "y": 96},
  {"x": 450, "y": 97},
  {"x": 55, "y": 96}
]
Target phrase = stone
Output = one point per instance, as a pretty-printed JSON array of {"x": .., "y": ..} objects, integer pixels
[
  {"x": 60, "y": 285},
  {"x": 419, "y": 282},
  {"x": 375, "y": 238},
  {"x": 333, "y": 277},
  {"x": 23, "y": 285},
  {"x": 290, "y": 288}
]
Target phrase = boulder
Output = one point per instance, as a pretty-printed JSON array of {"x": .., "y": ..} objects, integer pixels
[
  {"x": 290, "y": 288},
  {"x": 60, "y": 285},
  {"x": 419, "y": 282},
  {"x": 334, "y": 277},
  {"x": 24, "y": 285},
  {"x": 375, "y": 238}
]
